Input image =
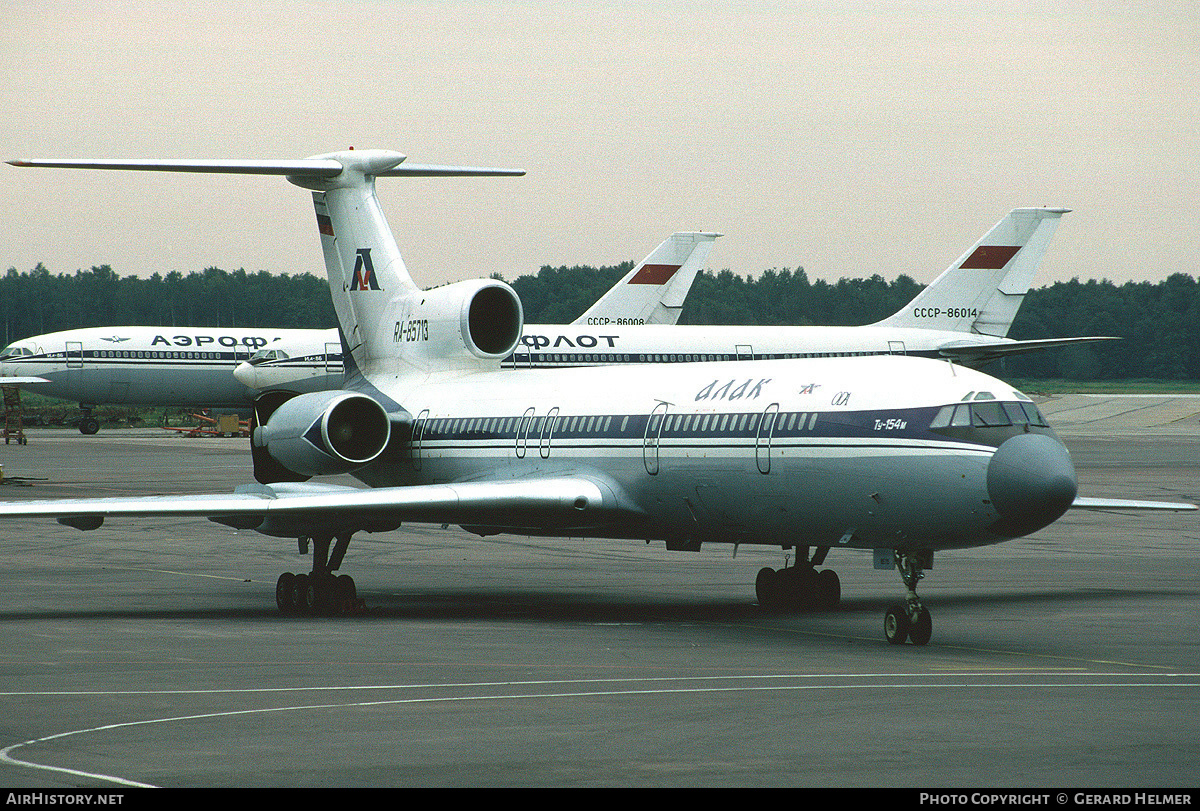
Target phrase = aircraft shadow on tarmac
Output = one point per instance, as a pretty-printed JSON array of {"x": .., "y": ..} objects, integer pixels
[{"x": 552, "y": 606}]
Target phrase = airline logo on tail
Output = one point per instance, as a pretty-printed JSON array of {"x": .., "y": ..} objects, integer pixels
[
  {"x": 654, "y": 274},
  {"x": 364, "y": 272},
  {"x": 990, "y": 257}
]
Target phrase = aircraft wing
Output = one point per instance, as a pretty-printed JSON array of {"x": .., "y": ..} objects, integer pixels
[
  {"x": 307, "y": 509},
  {"x": 21, "y": 381},
  {"x": 981, "y": 353},
  {"x": 1081, "y": 503}
]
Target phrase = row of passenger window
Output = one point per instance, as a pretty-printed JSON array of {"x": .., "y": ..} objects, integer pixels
[
  {"x": 670, "y": 425},
  {"x": 149, "y": 354},
  {"x": 532, "y": 426},
  {"x": 688, "y": 424},
  {"x": 618, "y": 357}
]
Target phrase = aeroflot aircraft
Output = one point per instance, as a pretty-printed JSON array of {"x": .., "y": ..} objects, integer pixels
[
  {"x": 156, "y": 366},
  {"x": 166, "y": 366},
  {"x": 900, "y": 455},
  {"x": 964, "y": 314}
]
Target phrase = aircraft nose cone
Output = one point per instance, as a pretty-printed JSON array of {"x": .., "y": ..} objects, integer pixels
[
  {"x": 246, "y": 374},
  {"x": 1031, "y": 482}
]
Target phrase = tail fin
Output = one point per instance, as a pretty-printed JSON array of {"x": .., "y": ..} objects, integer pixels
[
  {"x": 982, "y": 291},
  {"x": 654, "y": 291},
  {"x": 361, "y": 258}
]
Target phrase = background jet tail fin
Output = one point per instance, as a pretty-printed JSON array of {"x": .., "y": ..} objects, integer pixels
[
  {"x": 982, "y": 291},
  {"x": 654, "y": 291}
]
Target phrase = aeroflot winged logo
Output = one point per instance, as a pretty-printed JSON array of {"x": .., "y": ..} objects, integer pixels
[{"x": 364, "y": 272}]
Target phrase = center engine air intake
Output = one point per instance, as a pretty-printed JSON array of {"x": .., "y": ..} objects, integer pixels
[
  {"x": 494, "y": 320},
  {"x": 325, "y": 433},
  {"x": 469, "y": 322}
]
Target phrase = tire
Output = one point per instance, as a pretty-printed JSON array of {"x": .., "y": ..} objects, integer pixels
[
  {"x": 828, "y": 589},
  {"x": 305, "y": 594},
  {"x": 89, "y": 426},
  {"x": 768, "y": 587},
  {"x": 895, "y": 625},
  {"x": 347, "y": 594},
  {"x": 800, "y": 588},
  {"x": 285, "y": 595},
  {"x": 922, "y": 628}
]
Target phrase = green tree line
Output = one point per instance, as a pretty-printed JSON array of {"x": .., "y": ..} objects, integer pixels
[{"x": 1159, "y": 322}]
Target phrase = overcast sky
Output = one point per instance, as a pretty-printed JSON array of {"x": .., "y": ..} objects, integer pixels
[{"x": 848, "y": 138}]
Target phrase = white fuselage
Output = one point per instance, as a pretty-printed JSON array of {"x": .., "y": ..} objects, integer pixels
[
  {"x": 314, "y": 363},
  {"x": 157, "y": 366},
  {"x": 826, "y": 452}
]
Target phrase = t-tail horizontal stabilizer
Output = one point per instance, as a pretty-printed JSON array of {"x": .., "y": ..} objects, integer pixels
[{"x": 376, "y": 162}]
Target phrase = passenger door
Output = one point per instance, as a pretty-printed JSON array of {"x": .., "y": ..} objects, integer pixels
[
  {"x": 74, "y": 354},
  {"x": 333, "y": 355},
  {"x": 762, "y": 443},
  {"x": 650, "y": 441},
  {"x": 523, "y": 432},
  {"x": 418, "y": 433},
  {"x": 547, "y": 432}
]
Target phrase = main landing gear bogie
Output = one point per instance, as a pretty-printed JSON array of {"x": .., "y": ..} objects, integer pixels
[
  {"x": 320, "y": 592},
  {"x": 316, "y": 595},
  {"x": 800, "y": 587}
]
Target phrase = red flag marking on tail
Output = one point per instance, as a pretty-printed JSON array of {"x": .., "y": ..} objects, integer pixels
[
  {"x": 990, "y": 257},
  {"x": 654, "y": 274}
]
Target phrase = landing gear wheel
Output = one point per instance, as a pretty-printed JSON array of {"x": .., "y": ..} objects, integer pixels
[
  {"x": 304, "y": 593},
  {"x": 768, "y": 587},
  {"x": 89, "y": 425},
  {"x": 347, "y": 594},
  {"x": 910, "y": 621},
  {"x": 285, "y": 596},
  {"x": 799, "y": 587},
  {"x": 828, "y": 589},
  {"x": 921, "y": 629},
  {"x": 896, "y": 625}
]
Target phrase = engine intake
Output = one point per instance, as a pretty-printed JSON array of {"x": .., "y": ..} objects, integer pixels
[
  {"x": 474, "y": 323},
  {"x": 494, "y": 320},
  {"x": 325, "y": 433}
]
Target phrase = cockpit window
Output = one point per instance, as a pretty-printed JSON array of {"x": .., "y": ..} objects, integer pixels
[
  {"x": 1015, "y": 413},
  {"x": 1035, "y": 416},
  {"x": 264, "y": 355},
  {"x": 11, "y": 351},
  {"x": 989, "y": 415},
  {"x": 943, "y": 417},
  {"x": 985, "y": 395}
]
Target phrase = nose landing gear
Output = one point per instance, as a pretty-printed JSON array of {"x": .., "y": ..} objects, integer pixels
[{"x": 911, "y": 621}]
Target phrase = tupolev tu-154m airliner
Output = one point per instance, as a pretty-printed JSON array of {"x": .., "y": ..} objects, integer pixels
[
  {"x": 901, "y": 455},
  {"x": 964, "y": 314},
  {"x": 164, "y": 366}
]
